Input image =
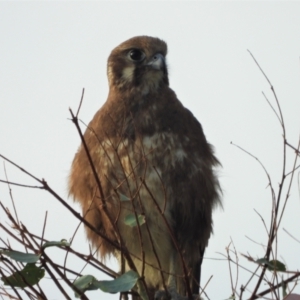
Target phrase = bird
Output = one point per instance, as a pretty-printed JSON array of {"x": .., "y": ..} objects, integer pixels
[{"x": 146, "y": 177}]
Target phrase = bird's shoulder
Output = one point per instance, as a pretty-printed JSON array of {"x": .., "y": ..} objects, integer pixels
[{"x": 146, "y": 114}]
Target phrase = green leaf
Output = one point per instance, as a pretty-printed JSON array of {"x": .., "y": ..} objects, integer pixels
[
  {"x": 272, "y": 265},
  {"x": 276, "y": 265},
  {"x": 284, "y": 289},
  {"x": 21, "y": 256},
  {"x": 131, "y": 220},
  {"x": 261, "y": 261},
  {"x": 56, "y": 243},
  {"x": 121, "y": 284},
  {"x": 29, "y": 276},
  {"x": 85, "y": 283}
]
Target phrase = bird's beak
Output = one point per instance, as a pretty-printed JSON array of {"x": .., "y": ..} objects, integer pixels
[{"x": 157, "y": 62}]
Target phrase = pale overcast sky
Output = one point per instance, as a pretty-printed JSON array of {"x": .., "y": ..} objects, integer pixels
[{"x": 49, "y": 51}]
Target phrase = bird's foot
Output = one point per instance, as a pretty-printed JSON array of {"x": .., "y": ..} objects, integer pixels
[{"x": 171, "y": 294}]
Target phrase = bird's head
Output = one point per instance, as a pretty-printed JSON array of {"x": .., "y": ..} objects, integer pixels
[{"x": 138, "y": 64}]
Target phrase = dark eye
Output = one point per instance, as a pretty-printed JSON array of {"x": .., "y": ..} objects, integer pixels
[{"x": 136, "y": 55}]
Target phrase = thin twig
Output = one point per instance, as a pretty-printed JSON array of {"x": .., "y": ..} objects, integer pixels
[
  {"x": 44, "y": 227},
  {"x": 10, "y": 193},
  {"x": 80, "y": 103},
  {"x": 229, "y": 267},
  {"x": 291, "y": 235}
]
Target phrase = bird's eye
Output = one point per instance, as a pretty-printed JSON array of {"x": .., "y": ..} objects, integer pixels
[{"x": 136, "y": 55}]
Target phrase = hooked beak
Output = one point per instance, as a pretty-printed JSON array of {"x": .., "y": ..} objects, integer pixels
[{"x": 157, "y": 62}]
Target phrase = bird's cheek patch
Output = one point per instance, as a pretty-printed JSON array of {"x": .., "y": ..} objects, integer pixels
[
  {"x": 127, "y": 74},
  {"x": 110, "y": 74}
]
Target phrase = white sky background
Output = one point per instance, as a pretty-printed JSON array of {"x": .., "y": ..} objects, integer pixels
[{"x": 49, "y": 51}]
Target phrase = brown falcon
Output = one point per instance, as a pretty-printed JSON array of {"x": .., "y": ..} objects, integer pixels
[{"x": 153, "y": 165}]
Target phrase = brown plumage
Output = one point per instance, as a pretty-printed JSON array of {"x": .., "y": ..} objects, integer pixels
[{"x": 154, "y": 162}]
